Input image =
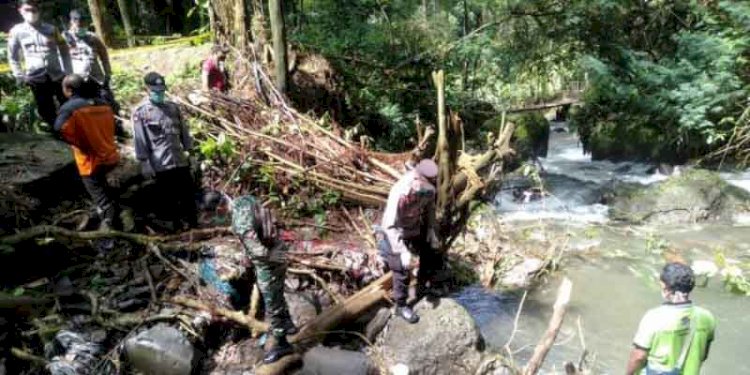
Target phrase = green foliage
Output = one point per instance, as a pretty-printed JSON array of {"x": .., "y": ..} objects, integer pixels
[
  {"x": 17, "y": 107},
  {"x": 159, "y": 41},
  {"x": 385, "y": 52},
  {"x": 733, "y": 275},
  {"x": 219, "y": 147},
  {"x": 128, "y": 85},
  {"x": 669, "y": 80}
]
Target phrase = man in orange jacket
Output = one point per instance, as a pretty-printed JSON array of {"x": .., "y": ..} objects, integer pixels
[{"x": 88, "y": 125}]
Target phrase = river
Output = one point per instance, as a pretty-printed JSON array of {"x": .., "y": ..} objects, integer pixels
[{"x": 614, "y": 268}]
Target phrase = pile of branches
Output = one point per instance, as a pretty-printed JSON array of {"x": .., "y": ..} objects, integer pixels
[
  {"x": 298, "y": 146},
  {"x": 271, "y": 133}
]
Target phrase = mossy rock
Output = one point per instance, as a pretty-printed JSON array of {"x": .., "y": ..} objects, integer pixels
[{"x": 695, "y": 196}]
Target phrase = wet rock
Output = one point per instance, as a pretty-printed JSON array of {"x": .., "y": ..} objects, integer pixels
[
  {"x": 303, "y": 306},
  {"x": 446, "y": 340},
  {"x": 693, "y": 196},
  {"x": 323, "y": 361},
  {"x": 520, "y": 276},
  {"x": 161, "y": 350}
]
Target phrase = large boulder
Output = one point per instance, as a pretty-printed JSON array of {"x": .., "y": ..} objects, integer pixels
[
  {"x": 446, "y": 340},
  {"x": 161, "y": 350},
  {"x": 323, "y": 361},
  {"x": 694, "y": 196}
]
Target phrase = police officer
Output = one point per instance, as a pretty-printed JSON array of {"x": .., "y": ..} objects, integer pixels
[
  {"x": 256, "y": 229},
  {"x": 45, "y": 58},
  {"x": 162, "y": 140},
  {"x": 90, "y": 60},
  {"x": 407, "y": 229}
]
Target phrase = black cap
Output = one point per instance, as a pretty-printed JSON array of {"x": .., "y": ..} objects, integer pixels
[{"x": 155, "y": 81}]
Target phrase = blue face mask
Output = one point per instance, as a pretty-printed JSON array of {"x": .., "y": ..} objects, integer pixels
[{"x": 156, "y": 97}]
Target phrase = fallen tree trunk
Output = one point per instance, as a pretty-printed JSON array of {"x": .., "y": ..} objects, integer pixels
[
  {"x": 313, "y": 331},
  {"x": 59, "y": 232},
  {"x": 558, "y": 314}
]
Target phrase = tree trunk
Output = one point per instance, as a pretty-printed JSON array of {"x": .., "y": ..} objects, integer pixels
[
  {"x": 275, "y": 8},
  {"x": 240, "y": 25},
  {"x": 443, "y": 156},
  {"x": 212, "y": 21},
  {"x": 125, "y": 13},
  {"x": 98, "y": 17},
  {"x": 301, "y": 15},
  {"x": 465, "y": 75}
]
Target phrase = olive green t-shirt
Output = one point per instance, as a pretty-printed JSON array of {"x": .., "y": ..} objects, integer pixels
[{"x": 664, "y": 329}]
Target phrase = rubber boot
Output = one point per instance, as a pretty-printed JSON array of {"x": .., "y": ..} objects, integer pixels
[
  {"x": 406, "y": 313},
  {"x": 281, "y": 349},
  {"x": 289, "y": 327}
]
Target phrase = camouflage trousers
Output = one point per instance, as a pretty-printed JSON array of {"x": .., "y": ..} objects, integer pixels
[{"x": 270, "y": 276}]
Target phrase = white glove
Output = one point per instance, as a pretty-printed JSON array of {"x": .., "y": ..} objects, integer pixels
[{"x": 406, "y": 260}]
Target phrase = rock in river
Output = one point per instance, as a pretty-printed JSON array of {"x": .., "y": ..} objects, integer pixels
[
  {"x": 446, "y": 340},
  {"x": 694, "y": 196}
]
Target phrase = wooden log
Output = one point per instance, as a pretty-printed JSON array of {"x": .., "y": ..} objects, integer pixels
[
  {"x": 14, "y": 302},
  {"x": 236, "y": 316},
  {"x": 545, "y": 343},
  {"x": 54, "y": 231},
  {"x": 345, "y": 312},
  {"x": 442, "y": 154}
]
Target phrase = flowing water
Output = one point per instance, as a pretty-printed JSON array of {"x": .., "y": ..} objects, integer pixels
[{"x": 614, "y": 268}]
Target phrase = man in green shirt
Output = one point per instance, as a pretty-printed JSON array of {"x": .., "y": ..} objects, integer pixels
[{"x": 674, "y": 338}]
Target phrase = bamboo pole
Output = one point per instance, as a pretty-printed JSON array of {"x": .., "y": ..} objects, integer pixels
[{"x": 545, "y": 343}]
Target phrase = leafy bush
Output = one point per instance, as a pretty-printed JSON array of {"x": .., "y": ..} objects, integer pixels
[
  {"x": 676, "y": 97},
  {"x": 17, "y": 107}
]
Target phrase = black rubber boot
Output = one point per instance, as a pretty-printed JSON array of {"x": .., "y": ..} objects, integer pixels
[
  {"x": 289, "y": 327},
  {"x": 281, "y": 349},
  {"x": 406, "y": 313}
]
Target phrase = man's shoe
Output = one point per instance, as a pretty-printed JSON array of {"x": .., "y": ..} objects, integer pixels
[
  {"x": 277, "y": 352},
  {"x": 406, "y": 313}
]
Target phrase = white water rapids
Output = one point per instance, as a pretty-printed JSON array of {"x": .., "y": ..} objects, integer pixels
[{"x": 612, "y": 266}]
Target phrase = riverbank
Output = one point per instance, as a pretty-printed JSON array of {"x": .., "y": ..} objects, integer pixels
[{"x": 614, "y": 264}]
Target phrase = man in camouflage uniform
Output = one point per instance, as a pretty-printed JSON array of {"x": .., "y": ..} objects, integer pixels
[{"x": 256, "y": 229}]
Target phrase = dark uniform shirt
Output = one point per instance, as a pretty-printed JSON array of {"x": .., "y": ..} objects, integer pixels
[{"x": 161, "y": 136}]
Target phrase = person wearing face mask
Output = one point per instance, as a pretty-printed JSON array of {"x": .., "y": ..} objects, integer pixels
[
  {"x": 674, "y": 338},
  {"x": 407, "y": 229},
  {"x": 90, "y": 60},
  {"x": 214, "y": 75},
  {"x": 39, "y": 58},
  {"x": 162, "y": 140}
]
